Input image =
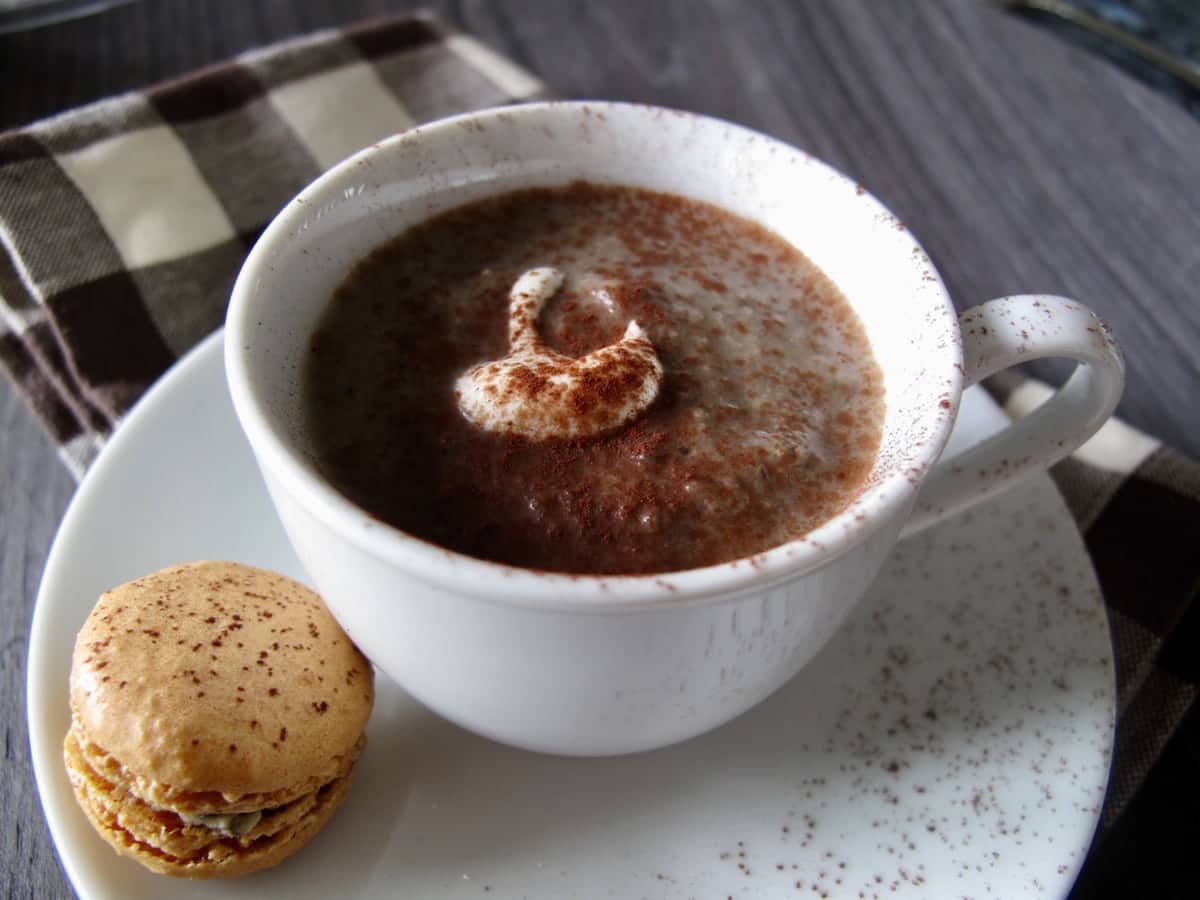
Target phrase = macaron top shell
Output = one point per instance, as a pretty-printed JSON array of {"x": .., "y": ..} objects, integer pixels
[{"x": 214, "y": 677}]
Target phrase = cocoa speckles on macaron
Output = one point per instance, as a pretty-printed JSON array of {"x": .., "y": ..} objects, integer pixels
[{"x": 212, "y": 675}]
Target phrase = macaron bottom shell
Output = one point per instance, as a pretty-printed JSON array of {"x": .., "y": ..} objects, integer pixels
[{"x": 163, "y": 842}]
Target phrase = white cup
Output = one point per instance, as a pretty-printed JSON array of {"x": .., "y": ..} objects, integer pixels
[{"x": 602, "y": 665}]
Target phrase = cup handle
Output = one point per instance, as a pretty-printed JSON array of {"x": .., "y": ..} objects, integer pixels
[{"x": 1004, "y": 333}]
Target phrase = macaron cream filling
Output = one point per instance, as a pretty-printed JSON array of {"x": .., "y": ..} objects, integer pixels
[{"x": 231, "y": 824}]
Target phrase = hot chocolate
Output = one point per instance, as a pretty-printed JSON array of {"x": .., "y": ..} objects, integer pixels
[{"x": 740, "y": 410}]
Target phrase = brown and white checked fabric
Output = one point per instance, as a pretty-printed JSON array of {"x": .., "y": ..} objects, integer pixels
[{"x": 123, "y": 224}]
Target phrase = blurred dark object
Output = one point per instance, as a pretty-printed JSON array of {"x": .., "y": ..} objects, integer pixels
[
  {"x": 1156, "y": 41},
  {"x": 20, "y": 15}
]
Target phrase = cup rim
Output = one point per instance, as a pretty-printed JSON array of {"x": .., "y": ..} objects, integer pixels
[{"x": 891, "y": 497}]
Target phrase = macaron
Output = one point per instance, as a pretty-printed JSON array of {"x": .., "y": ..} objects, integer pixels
[{"x": 217, "y": 712}]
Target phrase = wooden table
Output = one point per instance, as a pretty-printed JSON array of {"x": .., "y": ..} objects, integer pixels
[{"x": 1022, "y": 164}]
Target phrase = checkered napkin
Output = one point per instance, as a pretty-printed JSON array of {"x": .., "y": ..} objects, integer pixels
[{"x": 122, "y": 226}]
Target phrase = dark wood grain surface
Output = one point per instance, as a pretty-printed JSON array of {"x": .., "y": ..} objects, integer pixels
[{"x": 1021, "y": 163}]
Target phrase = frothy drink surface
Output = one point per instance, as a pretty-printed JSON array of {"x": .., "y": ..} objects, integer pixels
[{"x": 766, "y": 422}]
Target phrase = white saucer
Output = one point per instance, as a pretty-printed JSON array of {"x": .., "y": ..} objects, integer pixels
[{"x": 953, "y": 740}]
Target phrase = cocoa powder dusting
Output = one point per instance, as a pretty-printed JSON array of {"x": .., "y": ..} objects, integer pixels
[{"x": 767, "y": 420}]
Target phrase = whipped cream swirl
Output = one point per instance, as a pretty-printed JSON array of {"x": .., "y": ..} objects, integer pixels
[{"x": 541, "y": 395}]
